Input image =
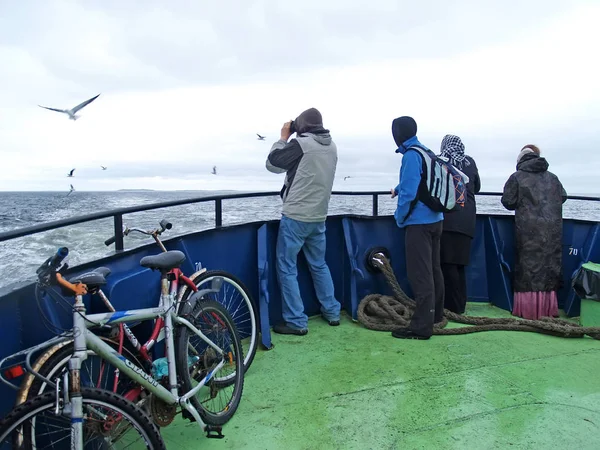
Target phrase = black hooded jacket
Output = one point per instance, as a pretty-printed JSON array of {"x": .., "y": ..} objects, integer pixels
[
  {"x": 536, "y": 196},
  {"x": 463, "y": 220}
]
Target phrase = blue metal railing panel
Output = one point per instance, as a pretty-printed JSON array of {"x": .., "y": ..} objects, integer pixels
[{"x": 237, "y": 249}]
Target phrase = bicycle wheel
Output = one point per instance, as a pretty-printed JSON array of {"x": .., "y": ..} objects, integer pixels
[
  {"x": 34, "y": 424},
  {"x": 94, "y": 372},
  {"x": 236, "y": 298},
  {"x": 217, "y": 401}
]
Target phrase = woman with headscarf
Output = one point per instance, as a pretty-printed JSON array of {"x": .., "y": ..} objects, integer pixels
[
  {"x": 459, "y": 228},
  {"x": 536, "y": 196}
]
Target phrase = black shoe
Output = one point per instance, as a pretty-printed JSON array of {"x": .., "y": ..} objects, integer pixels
[
  {"x": 282, "y": 328},
  {"x": 405, "y": 333},
  {"x": 333, "y": 323}
]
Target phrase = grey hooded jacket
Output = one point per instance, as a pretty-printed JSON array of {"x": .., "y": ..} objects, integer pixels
[{"x": 309, "y": 161}]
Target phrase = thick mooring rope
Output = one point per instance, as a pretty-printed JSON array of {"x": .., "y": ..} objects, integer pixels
[{"x": 385, "y": 313}]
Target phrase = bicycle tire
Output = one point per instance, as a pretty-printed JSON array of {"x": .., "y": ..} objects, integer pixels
[
  {"x": 238, "y": 316},
  {"x": 47, "y": 401},
  {"x": 203, "y": 311},
  {"x": 60, "y": 361}
]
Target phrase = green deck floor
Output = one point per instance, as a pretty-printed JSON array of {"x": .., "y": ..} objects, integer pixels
[{"x": 348, "y": 387}]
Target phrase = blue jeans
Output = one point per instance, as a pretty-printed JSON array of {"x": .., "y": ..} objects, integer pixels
[{"x": 294, "y": 236}]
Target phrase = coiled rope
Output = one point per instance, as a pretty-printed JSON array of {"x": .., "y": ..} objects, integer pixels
[{"x": 385, "y": 313}]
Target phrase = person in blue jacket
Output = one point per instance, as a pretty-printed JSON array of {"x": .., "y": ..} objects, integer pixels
[{"x": 423, "y": 231}]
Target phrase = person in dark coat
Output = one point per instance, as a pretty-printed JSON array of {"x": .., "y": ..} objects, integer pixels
[
  {"x": 458, "y": 228},
  {"x": 536, "y": 196}
]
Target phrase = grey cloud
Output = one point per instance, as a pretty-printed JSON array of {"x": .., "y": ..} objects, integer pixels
[
  {"x": 69, "y": 50},
  {"x": 117, "y": 46}
]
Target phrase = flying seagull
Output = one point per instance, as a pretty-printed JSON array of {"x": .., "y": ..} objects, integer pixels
[
  {"x": 347, "y": 177},
  {"x": 103, "y": 168},
  {"x": 72, "y": 112},
  {"x": 260, "y": 138},
  {"x": 214, "y": 171},
  {"x": 71, "y": 173},
  {"x": 71, "y": 191}
]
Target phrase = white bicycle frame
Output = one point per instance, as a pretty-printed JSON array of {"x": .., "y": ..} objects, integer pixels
[{"x": 84, "y": 339}]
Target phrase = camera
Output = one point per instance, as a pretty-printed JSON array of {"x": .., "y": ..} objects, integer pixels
[{"x": 293, "y": 127}]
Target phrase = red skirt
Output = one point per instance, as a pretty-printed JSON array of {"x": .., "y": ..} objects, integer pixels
[{"x": 533, "y": 305}]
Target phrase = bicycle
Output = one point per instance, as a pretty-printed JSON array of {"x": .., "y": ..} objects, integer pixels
[
  {"x": 194, "y": 372},
  {"x": 236, "y": 298},
  {"x": 211, "y": 283}
]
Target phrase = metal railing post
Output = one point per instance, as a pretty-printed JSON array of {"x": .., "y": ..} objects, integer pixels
[
  {"x": 118, "y": 232},
  {"x": 375, "y": 205},
  {"x": 218, "y": 213}
]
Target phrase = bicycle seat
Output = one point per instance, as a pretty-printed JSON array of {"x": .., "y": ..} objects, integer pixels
[
  {"x": 104, "y": 271},
  {"x": 93, "y": 279},
  {"x": 164, "y": 261}
]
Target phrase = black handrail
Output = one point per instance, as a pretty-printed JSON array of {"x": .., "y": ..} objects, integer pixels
[{"x": 117, "y": 214}]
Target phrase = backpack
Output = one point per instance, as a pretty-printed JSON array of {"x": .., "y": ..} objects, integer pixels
[{"x": 443, "y": 187}]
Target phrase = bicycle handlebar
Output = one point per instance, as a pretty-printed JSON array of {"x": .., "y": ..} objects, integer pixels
[
  {"x": 49, "y": 273},
  {"x": 52, "y": 263},
  {"x": 76, "y": 289},
  {"x": 164, "y": 225}
]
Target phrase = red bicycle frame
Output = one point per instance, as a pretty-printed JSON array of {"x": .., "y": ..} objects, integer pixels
[{"x": 143, "y": 350}]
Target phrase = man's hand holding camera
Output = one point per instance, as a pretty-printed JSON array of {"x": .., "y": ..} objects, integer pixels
[{"x": 287, "y": 130}]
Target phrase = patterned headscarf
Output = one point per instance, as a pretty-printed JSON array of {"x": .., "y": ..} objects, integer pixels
[{"x": 453, "y": 149}]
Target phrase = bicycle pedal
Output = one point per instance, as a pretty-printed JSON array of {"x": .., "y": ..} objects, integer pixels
[{"x": 214, "y": 432}]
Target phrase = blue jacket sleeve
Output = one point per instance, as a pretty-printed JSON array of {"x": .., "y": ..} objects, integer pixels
[{"x": 410, "y": 177}]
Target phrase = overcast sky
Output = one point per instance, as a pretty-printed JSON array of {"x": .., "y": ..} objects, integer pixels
[{"x": 185, "y": 85}]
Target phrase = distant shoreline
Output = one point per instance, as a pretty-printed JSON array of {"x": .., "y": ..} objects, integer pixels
[{"x": 136, "y": 190}]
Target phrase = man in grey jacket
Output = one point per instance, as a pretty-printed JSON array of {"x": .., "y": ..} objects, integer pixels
[{"x": 309, "y": 161}]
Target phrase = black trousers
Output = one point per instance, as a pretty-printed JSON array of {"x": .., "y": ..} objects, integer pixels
[
  {"x": 425, "y": 276},
  {"x": 455, "y": 283}
]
